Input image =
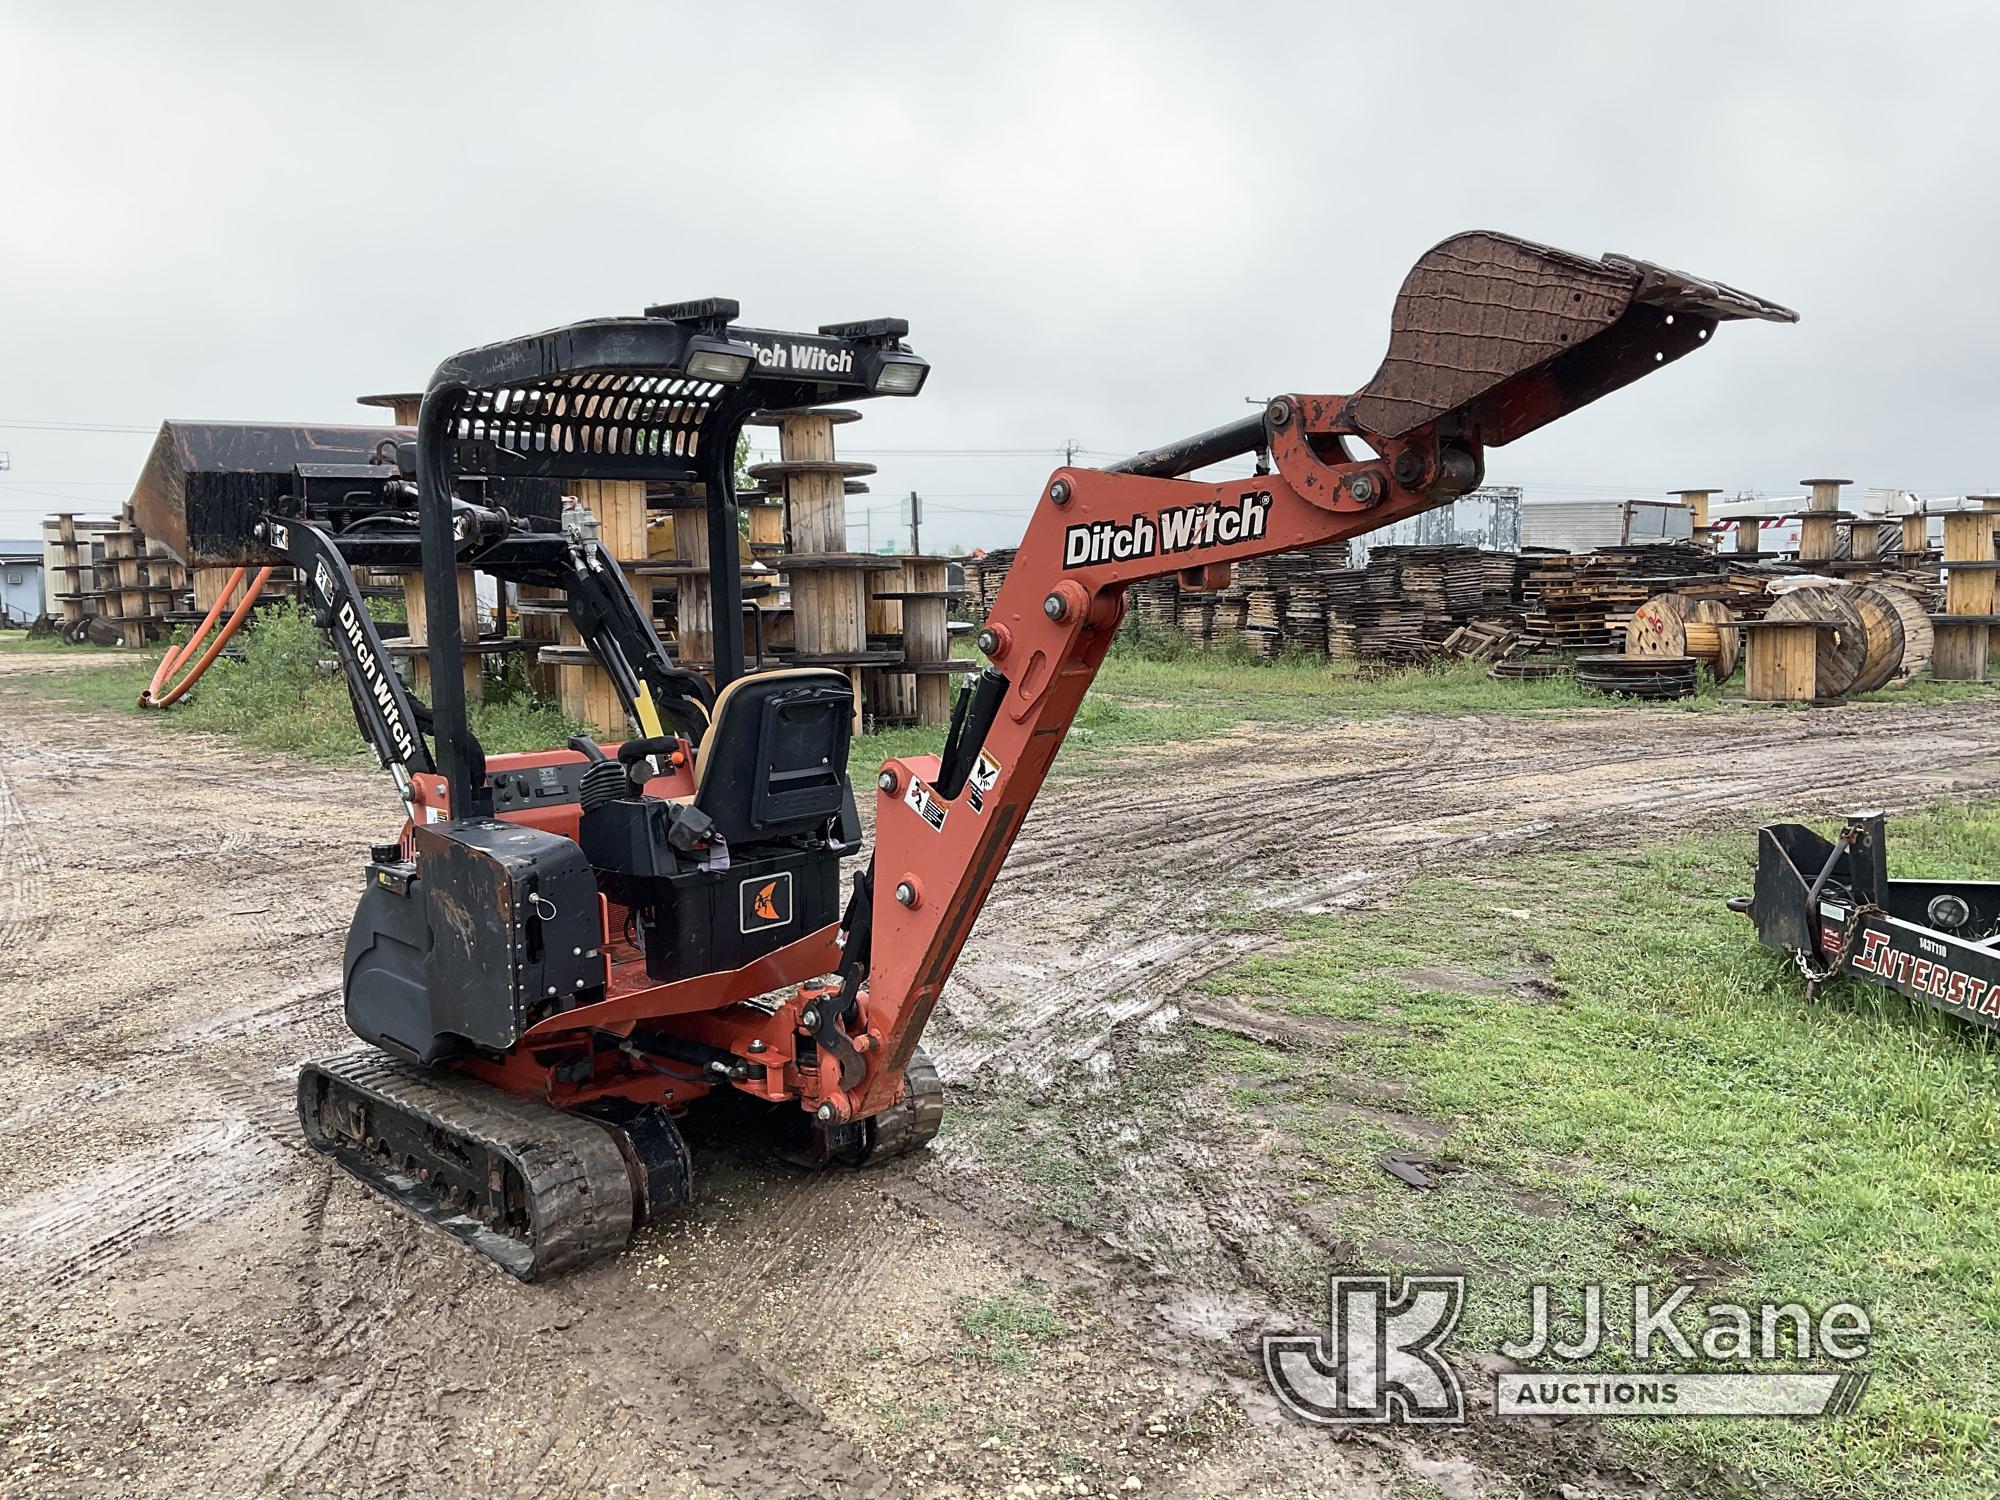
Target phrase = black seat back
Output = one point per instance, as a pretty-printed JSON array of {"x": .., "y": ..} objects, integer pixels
[{"x": 774, "y": 761}]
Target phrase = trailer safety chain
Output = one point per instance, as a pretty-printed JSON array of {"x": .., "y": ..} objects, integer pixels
[
  {"x": 1842, "y": 843},
  {"x": 1801, "y": 956}
]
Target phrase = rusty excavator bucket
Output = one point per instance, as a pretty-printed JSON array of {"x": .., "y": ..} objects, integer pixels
[
  {"x": 1494, "y": 336},
  {"x": 206, "y": 484}
]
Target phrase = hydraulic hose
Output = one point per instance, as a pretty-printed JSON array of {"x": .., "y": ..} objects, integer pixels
[{"x": 158, "y": 695}]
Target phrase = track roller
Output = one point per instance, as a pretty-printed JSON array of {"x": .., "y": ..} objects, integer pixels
[
  {"x": 536, "y": 1189},
  {"x": 905, "y": 1126}
]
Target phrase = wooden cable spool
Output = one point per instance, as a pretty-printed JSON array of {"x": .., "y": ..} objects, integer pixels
[
  {"x": 1712, "y": 640},
  {"x": 1841, "y": 652},
  {"x": 1677, "y": 625},
  {"x": 1918, "y": 637},
  {"x": 1659, "y": 626},
  {"x": 1884, "y": 627}
]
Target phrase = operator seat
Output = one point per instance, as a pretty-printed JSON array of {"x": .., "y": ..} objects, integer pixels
[
  {"x": 751, "y": 861},
  {"x": 773, "y": 764},
  {"x": 753, "y": 858}
]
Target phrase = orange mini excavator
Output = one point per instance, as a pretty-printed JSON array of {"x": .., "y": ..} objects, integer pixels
[{"x": 561, "y": 953}]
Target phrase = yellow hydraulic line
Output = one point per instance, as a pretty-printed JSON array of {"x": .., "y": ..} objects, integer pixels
[{"x": 649, "y": 715}]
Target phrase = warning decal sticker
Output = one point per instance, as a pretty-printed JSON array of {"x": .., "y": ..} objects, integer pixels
[
  {"x": 927, "y": 807},
  {"x": 979, "y": 785}
]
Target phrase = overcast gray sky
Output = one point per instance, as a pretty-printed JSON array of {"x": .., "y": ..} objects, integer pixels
[{"x": 1107, "y": 223}]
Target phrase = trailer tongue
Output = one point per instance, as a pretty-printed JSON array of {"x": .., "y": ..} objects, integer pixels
[{"x": 1832, "y": 907}]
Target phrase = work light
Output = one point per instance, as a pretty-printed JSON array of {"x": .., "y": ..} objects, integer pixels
[
  {"x": 897, "y": 374},
  {"x": 713, "y": 359}
]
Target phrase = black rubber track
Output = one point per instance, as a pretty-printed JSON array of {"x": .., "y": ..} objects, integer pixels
[{"x": 533, "y": 1188}]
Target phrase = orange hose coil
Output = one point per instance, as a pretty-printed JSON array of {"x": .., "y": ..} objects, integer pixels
[{"x": 157, "y": 695}]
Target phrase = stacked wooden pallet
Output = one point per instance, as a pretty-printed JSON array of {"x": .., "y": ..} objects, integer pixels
[
  {"x": 1345, "y": 590},
  {"x": 1500, "y": 579},
  {"x": 983, "y": 577},
  {"x": 1447, "y": 581},
  {"x": 1153, "y": 602},
  {"x": 1579, "y": 601},
  {"x": 1384, "y": 623},
  {"x": 1305, "y": 627},
  {"x": 1744, "y": 591},
  {"x": 1412, "y": 603},
  {"x": 1197, "y": 617}
]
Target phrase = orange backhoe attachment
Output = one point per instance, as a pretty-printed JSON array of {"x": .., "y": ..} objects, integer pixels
[{"x": 1492, "y": 337}]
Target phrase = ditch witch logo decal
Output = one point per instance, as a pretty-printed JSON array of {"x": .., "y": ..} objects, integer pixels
[
  {"x": 1184, "y": 528},
  {"x": 401, "y": 739},
  {"x": 1380, "y": 1361},
  {"x": 765, "y": 901},
  {"x": 800, "y": 356}
]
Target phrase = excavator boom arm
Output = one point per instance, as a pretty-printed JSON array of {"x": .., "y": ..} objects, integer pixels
[{"x": 1492, "y": 338}]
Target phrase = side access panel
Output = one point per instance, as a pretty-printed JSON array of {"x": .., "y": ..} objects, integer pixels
[
  {"x": 515, "y": 927},
  {"x": 496, "y": 926}
]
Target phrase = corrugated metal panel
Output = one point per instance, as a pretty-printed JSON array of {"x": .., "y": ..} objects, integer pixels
[
  {"x": 1585, "y": 525},
  {"x": 1572, "y": 526},
  {"x": 1488, "y": 518}
]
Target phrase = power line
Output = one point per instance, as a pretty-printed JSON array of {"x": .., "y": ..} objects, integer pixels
[
  {"x": 22, "y": 489},
  {"x": 21, "y": 425}
]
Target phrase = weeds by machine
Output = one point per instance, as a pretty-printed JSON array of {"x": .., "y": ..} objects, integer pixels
[
  {"x": 1830, "y": 905},
  {"x": 563, "y": 952}
]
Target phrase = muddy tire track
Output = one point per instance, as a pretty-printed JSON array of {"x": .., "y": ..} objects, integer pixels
[
  {"x": 24, "y": 883},
  {"x": 209, "y": 1300}
]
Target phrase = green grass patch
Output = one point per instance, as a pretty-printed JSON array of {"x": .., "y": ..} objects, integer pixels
[
  {"x": 281, "y": 695},
  {"x": 1929, "y": 690},
  {"x": 1006, "y": 1331},
  {"x": 1636, "y": 1092},
  {"x": 1150, "y": 691},
  {"x": 18, "y": 643},
  {"x": 1154, "y": 692}
]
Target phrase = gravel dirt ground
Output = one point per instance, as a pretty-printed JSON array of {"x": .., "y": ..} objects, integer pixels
[{"x": 189, "y": 1301}]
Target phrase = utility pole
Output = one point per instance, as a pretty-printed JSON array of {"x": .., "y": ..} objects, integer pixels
[
  {"x": 916, "y": 521},
  {"x": 1069, "y": 454}
]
